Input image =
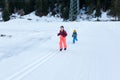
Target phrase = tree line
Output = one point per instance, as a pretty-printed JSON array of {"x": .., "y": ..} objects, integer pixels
[{"x": 61, "y": 7}]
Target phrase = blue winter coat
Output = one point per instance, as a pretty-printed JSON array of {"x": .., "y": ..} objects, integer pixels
[{"x": 74, "y": 34}]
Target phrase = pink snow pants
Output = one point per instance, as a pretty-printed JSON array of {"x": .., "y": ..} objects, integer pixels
[{"x": 62, "y": 42}]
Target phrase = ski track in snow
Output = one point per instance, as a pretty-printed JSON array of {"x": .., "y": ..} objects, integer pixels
[
  {"x": 31, "y": 67},
  {"x": 39, "y": 60},
  {"x": 26, "y": 45},
  {"x": 94, "y": 64}
]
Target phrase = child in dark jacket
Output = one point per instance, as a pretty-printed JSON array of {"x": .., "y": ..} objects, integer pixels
[
  {"x": 62, "y": 35},
  {"x": 74, "y": 35}
]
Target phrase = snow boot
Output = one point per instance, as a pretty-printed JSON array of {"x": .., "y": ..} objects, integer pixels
[
  {"x": 61, "y": 49},
  {"x": 64, "y": 48}
]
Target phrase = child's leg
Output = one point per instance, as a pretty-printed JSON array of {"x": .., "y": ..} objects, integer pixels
[
  {"x": 64, "y": 43},
  {"x": 60, "y": 44},
  {"x": 74, "y": 39}
]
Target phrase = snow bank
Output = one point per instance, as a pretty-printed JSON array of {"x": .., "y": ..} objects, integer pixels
[
  {"x": 32, "y": 17},
  {"x": 84, "y": 17}
]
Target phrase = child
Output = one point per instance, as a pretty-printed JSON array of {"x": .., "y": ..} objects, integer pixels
[
  {"x": 74, "y": 35},
  {"x": 62, "y": 35}
]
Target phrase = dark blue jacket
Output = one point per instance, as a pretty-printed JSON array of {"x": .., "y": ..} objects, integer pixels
[{"x": 74, "y": 34}]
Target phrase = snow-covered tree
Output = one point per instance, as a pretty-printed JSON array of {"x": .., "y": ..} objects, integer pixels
[
  {"x": 6, "y": 13},
  {"x": 98, "y": 10},
  {"x": 115, "y": 9}
]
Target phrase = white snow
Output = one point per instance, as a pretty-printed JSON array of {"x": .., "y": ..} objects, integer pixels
[
  {"x": 33, "y": 18},
  {"x": 85, "y": 17},
  {"x": 49, "y": 18},
  {"x": 30, "y": 51},
  {"x": 0, "y": 15}
]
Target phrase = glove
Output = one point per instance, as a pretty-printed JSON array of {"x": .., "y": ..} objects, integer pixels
[{"x": 58, "y": 34}]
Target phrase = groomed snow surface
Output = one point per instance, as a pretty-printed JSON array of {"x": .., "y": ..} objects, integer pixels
[{"x": 30, "y": 51}]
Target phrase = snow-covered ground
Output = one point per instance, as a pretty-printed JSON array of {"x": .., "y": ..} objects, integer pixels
[
  {"x": 33, "y": 18},
  {"x": 30, "y": 51}
]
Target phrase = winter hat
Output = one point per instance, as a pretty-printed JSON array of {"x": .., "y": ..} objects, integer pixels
[
  {"x": 61, "y": 26},
  {"x": 74, "y": 30}
]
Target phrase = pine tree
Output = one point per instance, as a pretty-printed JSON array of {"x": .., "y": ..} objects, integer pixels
[
  {"x": 28, "y": 6},
  {"x": 45, "y": 7},
  {"x": 98, "y": 10},
  {"x": 65, "y": 9},
  {"x": 41, "y": 7},
  {"x": 91, "y": 6},
  {"x": 19, "y": 4},
  {"x": 65, "y": 13},
  {"x": 6, "y": 13},
  {"x": 52, "y": 6},
  {"x": 1, "y": 3},
  {"x": 118, "y": 9},
  {"x": 105, "y": 4},
  {"x": 115, "y": 9},
  {"x": 38, "y": 7}
]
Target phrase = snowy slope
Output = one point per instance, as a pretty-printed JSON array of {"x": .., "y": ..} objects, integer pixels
[
  {"x": 33, "y": 18},
  {"x": 32, "y": 51}
]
